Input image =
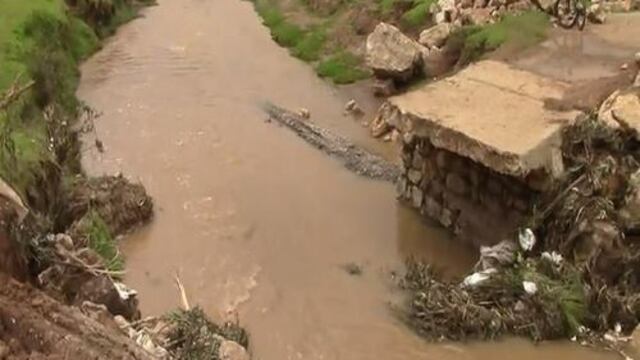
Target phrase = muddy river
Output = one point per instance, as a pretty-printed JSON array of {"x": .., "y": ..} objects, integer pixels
[{"x": 257, "y": 223}]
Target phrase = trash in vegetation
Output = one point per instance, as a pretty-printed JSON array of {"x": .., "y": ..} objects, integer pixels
[{"x": 578, "y": 278}]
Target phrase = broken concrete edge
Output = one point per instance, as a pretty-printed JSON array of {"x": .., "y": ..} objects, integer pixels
[{"x": 459, "y": 143}]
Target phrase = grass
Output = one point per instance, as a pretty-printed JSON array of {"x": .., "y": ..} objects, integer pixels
[
  {"x": 342, "y": 67},
  {"x": 309, "y": 45},
  {"x": 418, "y": 15},
  {"x": 99, "y": 239},
  {"x": 517, "y": 31},
  {"x": 305, "y": 44},
  {"x": 13, "y": 15},
  {"x": 386, "y": 6}
]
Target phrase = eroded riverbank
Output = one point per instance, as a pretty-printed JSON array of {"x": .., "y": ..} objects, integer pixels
[{"x": 254, "y": 219}]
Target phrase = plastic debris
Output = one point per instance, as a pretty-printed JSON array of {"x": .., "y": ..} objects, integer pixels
[
  {"x": 501, "y": 254},
  {"x": 530, "y": 287},
  {"x": 553, "y": 257},
  {"x": 477, "y": 277},
  {"x": 527, "y": 239},
  {"x": 124, "y": 291}
]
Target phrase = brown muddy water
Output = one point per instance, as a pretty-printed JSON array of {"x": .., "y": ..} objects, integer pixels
[{"x": 255, "y": 221}]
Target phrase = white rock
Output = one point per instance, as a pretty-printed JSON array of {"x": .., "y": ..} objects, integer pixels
[
  {"x": 304, "y": 113},
  {"x": 636, "y": 57},
  {"x": 391, "y": 54},
  {"x": 530, "y": 287},
  {"x": 435, "y": 36},
  {"x": 231, "y": 350}
]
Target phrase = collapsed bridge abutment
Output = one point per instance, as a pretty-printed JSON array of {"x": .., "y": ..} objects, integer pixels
[{"x": 478, "y": 148}]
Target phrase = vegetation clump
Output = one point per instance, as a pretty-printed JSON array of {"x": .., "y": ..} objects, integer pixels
[
  {"x": 517, "y": 31},
  {"x": 194, "y": 337},
  {"x": 581, "y": 276}
]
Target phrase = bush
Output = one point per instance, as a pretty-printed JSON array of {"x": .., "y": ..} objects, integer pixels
[{"x": 342, "y": 68}]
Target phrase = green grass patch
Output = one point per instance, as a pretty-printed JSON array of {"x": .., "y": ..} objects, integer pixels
[
  {"x": 309, "y": 48},
  {"x": 342, "y": 67},
  {"x": 99, "y": 239},
  {"x": 386, "y": 6},
  {"x": 418, "y": 15},
  {"x": 13, "y": 15},
  {"x": 517, "y": 31}
]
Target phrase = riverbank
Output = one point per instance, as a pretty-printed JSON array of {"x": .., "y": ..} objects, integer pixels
[
  {"x": 59, "y": 228},
  {"x": 331, "y": 35}
]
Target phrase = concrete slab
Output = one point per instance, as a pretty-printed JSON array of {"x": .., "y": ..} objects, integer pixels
[{"x": 493, "y": 114}]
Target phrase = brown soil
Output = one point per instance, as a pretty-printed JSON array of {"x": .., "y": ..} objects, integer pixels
[
  {"x": 34, "y": 326},
  {"x": 120, "y": 203}
]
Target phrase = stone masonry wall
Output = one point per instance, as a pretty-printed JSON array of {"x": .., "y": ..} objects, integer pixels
[{"x": 479, "y": 205}]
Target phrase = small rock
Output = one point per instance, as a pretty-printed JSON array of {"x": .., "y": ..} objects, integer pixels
[
  {"x": 624, "y": 66},
  {"x": 401, "y": 187},
  {"x": 387, "y": 137},
  {"x": 416, "y": 197},
  {"x": 636, "y": 57},
  {"x": 432, "y": 208},
  {"x": 304, "y": 113},
  {"x": 379, "y": 127},
  {"x": 435, "y": 36},
  {"x": 477, "y": 16},
  {"x": 395, "y": 135},
  {"x": 231, "y": 350},
  {"x": 353, "y": 107},
  {"x": 441, "y": 17},
  {"x": 414, "y": 176},
  {"x": 384, "y": 88},
  {"x": 596, "y": 14}
]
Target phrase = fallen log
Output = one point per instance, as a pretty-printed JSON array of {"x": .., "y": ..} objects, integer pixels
[{"x": 353, "y": 157}]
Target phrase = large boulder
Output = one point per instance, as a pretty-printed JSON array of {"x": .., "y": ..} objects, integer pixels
[
  {"x": 622, "y": 108},
  {"x": 391, "y": 54},
  {"x": 435, "y": 36}
]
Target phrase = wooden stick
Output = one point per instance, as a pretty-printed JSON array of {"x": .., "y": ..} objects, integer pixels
[{"x": 183, "y": 293}]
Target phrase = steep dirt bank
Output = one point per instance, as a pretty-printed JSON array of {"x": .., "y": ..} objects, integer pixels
[{"x": 58, "y": 227}]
